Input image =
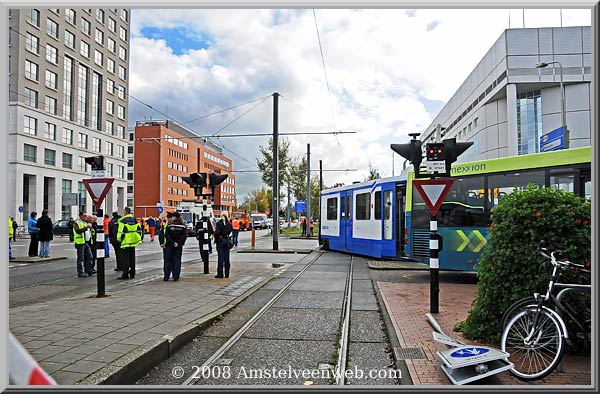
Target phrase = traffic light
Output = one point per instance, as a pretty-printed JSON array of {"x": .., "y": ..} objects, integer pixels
[
  {"x": 411, "y": 152},
  {"x": 454, "y": 149},
  {"x": 97, "y": 162},
  {"x": 435, "y": 151},
  {"x": 197, "y": 181},
  {"x": 215, "y": 180}
]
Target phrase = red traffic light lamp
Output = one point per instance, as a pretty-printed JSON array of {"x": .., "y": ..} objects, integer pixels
[{"x": 96, "y": 162}]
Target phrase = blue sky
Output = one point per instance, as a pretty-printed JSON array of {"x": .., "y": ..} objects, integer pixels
[{"x": 180, "y": 39}]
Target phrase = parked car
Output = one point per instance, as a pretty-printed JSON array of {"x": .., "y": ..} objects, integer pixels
[{"x": 61, "y": 228}]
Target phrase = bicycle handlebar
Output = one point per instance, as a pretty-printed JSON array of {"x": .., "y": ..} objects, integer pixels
[{"x": 565, "y": 264}]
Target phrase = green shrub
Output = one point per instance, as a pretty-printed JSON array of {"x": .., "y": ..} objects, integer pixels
[{"x": 509, "y": 268}]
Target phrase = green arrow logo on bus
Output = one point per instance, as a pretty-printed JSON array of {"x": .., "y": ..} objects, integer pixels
[{"x": 476, "y": 236}]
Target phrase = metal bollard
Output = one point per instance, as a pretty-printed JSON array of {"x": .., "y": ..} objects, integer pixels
[{"x": 253, "y": 241}]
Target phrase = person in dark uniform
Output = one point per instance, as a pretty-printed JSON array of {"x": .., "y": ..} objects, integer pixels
[
  {"x": 204, "y": 231},
  {"x": 113, "y": 229},
  {"x": 33, "y": 230},
  {"x": 222, "y": 232},
  {"x": 70, "y": 227},
  {"x": 175, "y": 237}
]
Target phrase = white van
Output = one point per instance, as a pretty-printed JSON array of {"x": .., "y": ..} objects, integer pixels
[{"x": 259, "y": 220}]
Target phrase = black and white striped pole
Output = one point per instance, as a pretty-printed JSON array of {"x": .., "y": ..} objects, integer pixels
[
  {"x": 434, "y": 267},
  {"x": 100, "y": 254}
]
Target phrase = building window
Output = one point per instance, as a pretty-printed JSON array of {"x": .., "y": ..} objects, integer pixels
[
  {"x": 131, "y": 137},
  {"x": 130, "y": 176},
  {"x": 129, "y": 189},
  {"x": 52, "y": 28},
  {"x": 130, "y": 163},
  {"x": 130, "y": 150},
  {"x": 82, "y": 164},
  {"x": 82, "y": 196},
  {"x": 121, "y": 112},
  {"x": 83, "y": 140},
  {"x": 122, "y": 53},
  {"x": 109, "y": 169},
  {"x": 110, "y": 127},
  {"x": 121, "y": 151},
  {"x": 51, "y": 54},
  {"x": 110, "y": 86},
  {"x": 30, "y": 125},
  {"x": 85, "y": 49},
  {"x": 31, "y": 70},
  {"x": 50, "y": 131},
  {"x": 170, "y": 177},
  {"x": 68, "y": 88},
  {"x": 100, "y": 15},
  {"x": 50, "y": 105},
  {"x": 31, "y": 97},
  {"x": 96, "y": 145},
  {"x": 529, "y": 122},
  {"x": 30, "y": 153},
  {"x": 124, "y": 15},
  {"x": 109, "y": 148},
  {"x": 123, "y": 33},
  {"x": 67, "y": 160},
  {"x": 110, "y": 65},
  {"x": 32, "y": 44},
  {"x": 112, "y": 45},
  {"x": 120, "y": 172},
  {"x": 112, "y": 25},
  {"x": 49, "y": 157},
  {"x": 33, "y": 17},
  {"x": 110, "y": 107},
  {"x": 122, "y": 73},
  {"x": 69, "y": 39},
  {"x": 475, "y": 122},
  {"x": 67, "y": 137},
  {"x": 98, "y": 58},
  {"x": 67, "y": 184},
  {"x": 51, "y": 79},
  {"x": 85, "y": 26},
  {"x": 96, "y": 100},
  {"x": 70, "y": 16},
  {"x": 82, "y": 93},
  {"x": 99, "y": 36},
  {"x": 121, "y": 131}
]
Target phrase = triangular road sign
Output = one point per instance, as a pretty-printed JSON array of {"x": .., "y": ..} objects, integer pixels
[
  {"x": 433, "y": 191},
  {"x": 98, "y": 189}
]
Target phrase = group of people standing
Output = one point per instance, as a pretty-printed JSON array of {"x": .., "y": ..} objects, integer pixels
[{"x": 41, "y": 232}]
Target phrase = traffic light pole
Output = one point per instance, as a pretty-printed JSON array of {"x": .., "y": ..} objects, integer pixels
[
  {"x": 275, "y": 205},
  {"x": 99, "y": 252},
  {"x": 434, "y": 267}
]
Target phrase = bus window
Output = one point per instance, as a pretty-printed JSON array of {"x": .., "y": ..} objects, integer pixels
[
  {"x": 504, "y": 184},
  {"x": 563, "y": 182},
  {"x": 465, "y": 204}
]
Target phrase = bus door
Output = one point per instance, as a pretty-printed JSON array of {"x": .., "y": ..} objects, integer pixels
[
  {"x": 400, "y": 203},
  {"x": 346, "y": 219}
]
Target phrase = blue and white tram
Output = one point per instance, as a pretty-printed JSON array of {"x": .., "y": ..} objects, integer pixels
[{"x": 365, "y": 218}]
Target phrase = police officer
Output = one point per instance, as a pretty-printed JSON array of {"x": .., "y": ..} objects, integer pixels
[
  {"x": 11, "y": 233},
  {"x": 175, "y": 237},
  {"x": 204, "y": 232},
  {"x": 129, "y": 235},
  {"x": 81, "y": 234}
]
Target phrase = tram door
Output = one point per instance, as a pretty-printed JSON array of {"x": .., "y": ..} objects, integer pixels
[
  {"x": 346, "y": 219},
  {"x": 400, "y": 204}
]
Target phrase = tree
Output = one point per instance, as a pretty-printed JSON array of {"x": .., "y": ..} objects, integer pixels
[
  {"x": 266, "y": 164},
  {"x": 257, "y": 200},
  {"x": 373, "y": 173},
  {"x": 298, "y": 178}
]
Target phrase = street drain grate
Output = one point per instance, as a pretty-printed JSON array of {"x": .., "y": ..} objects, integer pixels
[{"x": 409, "y": 353}]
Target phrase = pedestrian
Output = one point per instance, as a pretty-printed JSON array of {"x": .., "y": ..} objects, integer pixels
[
  {"x": 45, "y": 235},
  {"x": 33, "y": 233},
  {"x": 204, "y": 232},
  {"x": 129, "y": 235},
  {"x": 312, "y": 226},
  {"x": 92, "y": 242},
  {"x": 11, "y": 233},
  {"x": 151, "y": 227},
  {"x": 81, "y": 234},
  {"x": 175, "y": 237},
  {"x": 303, "y": 222},
  {"x": 161, "y": 235},
  {"x": 213, "y": 224},
  {"x": 105, "y": 224},
  {"x": 15, "y": 226},
  {"x": 222, "y": 231},
  {"x": 113, "y": 229},
  {"x": 70, "y": 227},
  {"x": 235, "y": 228}
]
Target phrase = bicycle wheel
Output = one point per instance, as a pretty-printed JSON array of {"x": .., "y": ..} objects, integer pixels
[
  {"x": 535, "y": 341},
  {"x": 514, "y": 308}
]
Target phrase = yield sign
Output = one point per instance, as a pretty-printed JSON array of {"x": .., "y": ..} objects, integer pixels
[
  {"x": 433, "y": 191},
  {"x": 98, "y": 188}
]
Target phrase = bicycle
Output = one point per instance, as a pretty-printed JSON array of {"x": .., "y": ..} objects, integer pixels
[{"x": 536, "y": 334}]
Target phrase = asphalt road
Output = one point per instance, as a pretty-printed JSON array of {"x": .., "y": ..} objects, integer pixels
[{"x": 36, "y": 282}]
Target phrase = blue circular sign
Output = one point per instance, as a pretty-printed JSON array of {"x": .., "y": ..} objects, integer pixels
[
  {"x": 160, "y": 209},
  {"x": 21, "y": 209},
  {"x": 469, "y": 352}
]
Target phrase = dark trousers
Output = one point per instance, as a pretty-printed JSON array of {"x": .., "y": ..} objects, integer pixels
[
  {"x": 84, "y": 258},
  {"x": 33, "y": 245},
  {"x": 204, "y": 255},
  {"x": 93, "y": 250},
  {"x": 128, "y": 261},
  {"x": 223, "y": 262},
  {"x": 172, "y": 262},
  {"x": 119, "y": 257},
  {"x": 235, "y": 234}
]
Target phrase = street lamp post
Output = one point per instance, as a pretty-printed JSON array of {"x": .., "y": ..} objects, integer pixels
[{"x": 563, "y": 111}]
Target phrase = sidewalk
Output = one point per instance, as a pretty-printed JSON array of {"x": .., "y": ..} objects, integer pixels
[
  {"x": 111, "y": 340},
  {"x": 407, "y": 304}
]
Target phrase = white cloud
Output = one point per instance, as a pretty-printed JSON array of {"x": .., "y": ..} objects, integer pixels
[{"x": 384, "y": 67}]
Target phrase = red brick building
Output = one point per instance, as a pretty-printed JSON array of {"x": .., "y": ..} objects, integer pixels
[{"x": 163, "y": 154}]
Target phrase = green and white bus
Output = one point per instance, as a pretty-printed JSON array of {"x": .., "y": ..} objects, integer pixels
[{"x": 464, "y": 218}]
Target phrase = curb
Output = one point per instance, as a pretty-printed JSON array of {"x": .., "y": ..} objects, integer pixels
[
  {"x": 398, "y": 267},
  {"x": 132, "y": 366},
  {"x": 280, "y": 251},
  {"x": 37, "y": 259}
]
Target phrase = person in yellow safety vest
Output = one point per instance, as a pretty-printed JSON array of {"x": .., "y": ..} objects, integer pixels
[
  {"x": 130, "y": 236},
  {"x": 11, "y": 233},
  {"x": 235, "y": 225},
  {"x": 81, "y": 236}
]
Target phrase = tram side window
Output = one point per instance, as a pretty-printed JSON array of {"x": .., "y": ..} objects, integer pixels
[
  {"x": 503, "y": 184},
  {"x": 377, "y": 212},
  {"x": 564, "y": 182},
  {"x": 363, "y": 206},
  {"x": 343, "y": 207},
  {"x": 465, "y": 204},
  {"x": 387, "y": 205},
  {"x": 332, "y": 208}
]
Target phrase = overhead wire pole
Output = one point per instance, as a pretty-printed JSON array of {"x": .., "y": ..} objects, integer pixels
[
  {"x": 307, "y": 190},
  {"x": 275, "y": 205},
  {"x": 320, "y": 190}
]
